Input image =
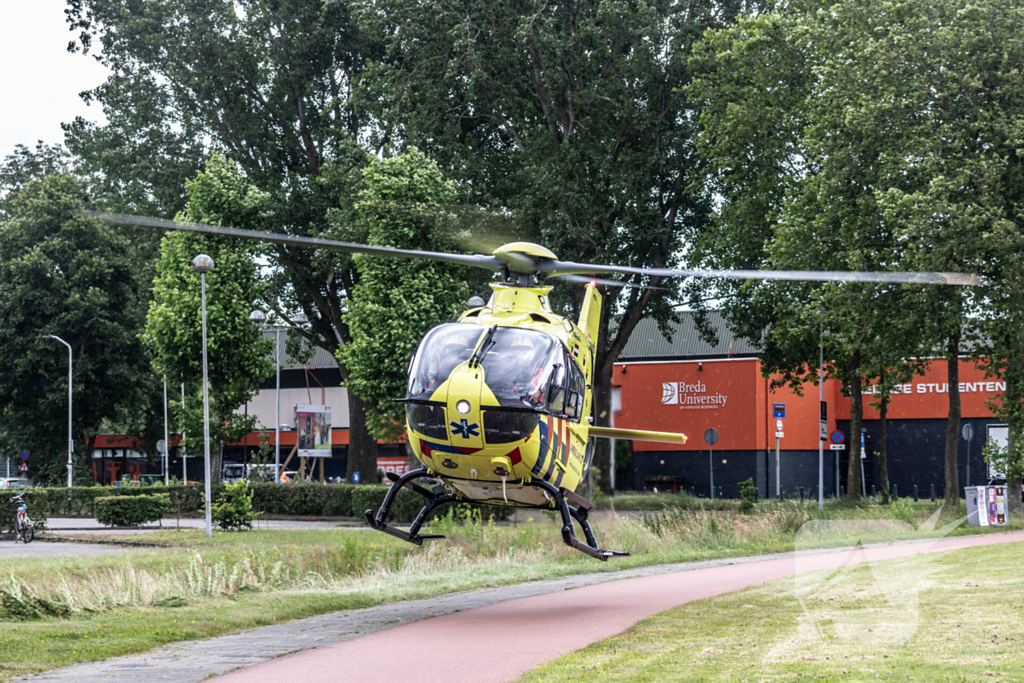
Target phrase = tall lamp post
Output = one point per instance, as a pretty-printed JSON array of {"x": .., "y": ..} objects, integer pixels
[
  {"x": 71, "y": 443},
  {"x": 260, "y": 318},
  {"x": 203, "y": 264}
]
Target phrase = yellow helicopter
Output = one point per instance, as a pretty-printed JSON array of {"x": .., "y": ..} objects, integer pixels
[{"x": 499, "y": 403}]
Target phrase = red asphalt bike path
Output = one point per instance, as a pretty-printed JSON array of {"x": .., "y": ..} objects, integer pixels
[{"x": 501, "y": 642}]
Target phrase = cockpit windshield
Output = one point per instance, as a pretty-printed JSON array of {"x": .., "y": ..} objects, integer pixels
[
  {"x": 522, "y": 368},
  {"x": 519, "y": 366},
  {"x": 443, "y": 349}
]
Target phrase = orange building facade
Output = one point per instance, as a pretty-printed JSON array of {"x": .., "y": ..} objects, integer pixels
[{"x": 732, "y": 397}]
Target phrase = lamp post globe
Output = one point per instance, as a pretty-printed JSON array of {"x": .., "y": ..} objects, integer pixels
[
  {"x": 300, "y": 318},
  {"x": 202, "y": 264},
  {"x": 258, "y": 317}
]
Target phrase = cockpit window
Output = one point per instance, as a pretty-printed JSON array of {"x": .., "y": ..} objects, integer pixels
[
  {"x": 443, "y": 349},
  {"x": 522, "y": 368},
  {"x": 519, "y": 366}
]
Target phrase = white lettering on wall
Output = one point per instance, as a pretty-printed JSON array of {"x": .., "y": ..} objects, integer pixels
[
  {"x": 690, "y": 396},
  {"x": 943, "y": 388}
]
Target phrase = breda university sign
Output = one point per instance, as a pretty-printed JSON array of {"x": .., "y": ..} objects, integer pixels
[{"x": 691, "y": 396}]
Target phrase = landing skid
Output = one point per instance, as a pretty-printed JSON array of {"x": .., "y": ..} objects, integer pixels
[{"x": 436, "y": 497}]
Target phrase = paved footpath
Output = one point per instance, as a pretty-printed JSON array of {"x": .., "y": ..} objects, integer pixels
[{"x": 518, "y": 627}]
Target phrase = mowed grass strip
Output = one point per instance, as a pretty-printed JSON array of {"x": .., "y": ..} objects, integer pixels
[{"x": 899, "y": 620}]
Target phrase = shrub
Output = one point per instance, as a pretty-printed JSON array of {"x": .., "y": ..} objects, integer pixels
[
  {"x": 130, "y": 510},
  {"x": 234, "y": 511},
  {"x": 748, "y": 492}
]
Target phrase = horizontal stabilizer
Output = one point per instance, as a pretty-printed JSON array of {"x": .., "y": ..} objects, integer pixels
[{"x": 637, "y": 435}]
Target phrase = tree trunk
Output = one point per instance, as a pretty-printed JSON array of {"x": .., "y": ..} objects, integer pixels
[
  {"x": 953, "y": 424},
  {"x": 856, "y": 418},
  {"x": 602, "y": 460},
  {"x": 883, "y": 456},
  {"x": 216, "y": 457},
  {"x": 362, "y": 447},
  {"x": 1013, "y": 480}
]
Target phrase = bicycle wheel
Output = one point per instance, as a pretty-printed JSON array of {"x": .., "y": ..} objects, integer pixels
[
  {"x": 19, "y": 533},
  {"x": 30, "y": 533}
]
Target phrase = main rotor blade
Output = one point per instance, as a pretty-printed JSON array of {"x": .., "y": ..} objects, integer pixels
[
  {"x": 583, "y": 280},
  {"x": 475, "y": 260},
  {"x": 559, "y": 268}
]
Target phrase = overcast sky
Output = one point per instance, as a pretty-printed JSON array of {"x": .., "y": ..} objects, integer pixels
[{"x": 40, "y": 79}]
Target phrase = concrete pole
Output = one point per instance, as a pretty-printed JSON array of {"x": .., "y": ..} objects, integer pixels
[
  {"x": 277, "y": 409},
  {"x": 167, "y": 441},
  {"x": 184, "y": 458},
  {"x": 778, "y": 470},
  {"x": 206, "y": 417},
  {"x": 821, "y": 400}
]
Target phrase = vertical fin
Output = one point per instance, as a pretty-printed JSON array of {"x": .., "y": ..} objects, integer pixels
[{"x": 590, "y": 317}]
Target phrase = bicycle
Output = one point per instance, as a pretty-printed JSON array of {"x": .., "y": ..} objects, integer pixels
[{"x": 24, "y": 528}]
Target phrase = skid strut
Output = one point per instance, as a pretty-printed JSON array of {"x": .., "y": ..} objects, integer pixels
[
  {"x": 579, "y": 513},
  {"x": 432, "y": 499}
]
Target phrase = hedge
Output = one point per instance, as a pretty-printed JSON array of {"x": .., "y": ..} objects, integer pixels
[
  {"x": 315, "y": 500},
  {"x": 130, "y": 510}
]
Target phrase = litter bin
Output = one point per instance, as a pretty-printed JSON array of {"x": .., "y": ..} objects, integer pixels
[{"x": 986, "y": 505}]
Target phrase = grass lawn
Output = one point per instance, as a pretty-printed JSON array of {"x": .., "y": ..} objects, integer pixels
[
  {"x": 965, "y": 624},
  {"x": 56, "y": 612}
]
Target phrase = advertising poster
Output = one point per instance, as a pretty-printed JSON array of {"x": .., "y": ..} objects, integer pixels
[
  {"x": 313, "y": 431},
  {"x": 982, "y": 506}
]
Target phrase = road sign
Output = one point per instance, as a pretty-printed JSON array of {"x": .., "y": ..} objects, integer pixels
[
  {"x": 711, "y": 436},
  {"x": 779, "y": 435},
  {"x": 837, "y": 437},
  {"x": 967, "y": 430},
  {"x": 823, "y": 421},
  {"x": 161, "y": 446},
  {"x": 355, "y": 477},
  {"x": 778, "y": 425},
  {"x": 24, "y": 454},
  {"x": 837, "y": 447},
  {"x": 23, "y": 467},
  {"x": 778, "y": 410}
]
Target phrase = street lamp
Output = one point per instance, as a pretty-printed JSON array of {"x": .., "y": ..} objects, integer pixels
[
  {"x": 203, "y": 264},
  {"x": 260, "y": 318},
  {"x": 71, "y": 443}
]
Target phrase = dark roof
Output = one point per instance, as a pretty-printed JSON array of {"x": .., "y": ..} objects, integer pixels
[
  {"x": 314, "y": 356},
  {"x": 647, "y": 342}
]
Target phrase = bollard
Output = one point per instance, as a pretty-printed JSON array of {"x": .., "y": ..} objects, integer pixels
[
  {"x": 933, "y": 493},
  {"x": 915, "y": 493},
  {"x": 873, "y": 492},
  {"x": 842, "y": 491},
  {"x": 719, "y": 492},
  {"x": 895, "y": 492},
  {"x": 801, "y": 494}
]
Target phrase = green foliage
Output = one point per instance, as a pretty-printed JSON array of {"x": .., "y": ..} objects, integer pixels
[
  {"x": 233, "y": 509},
  {"x": 570, "y": 117},
  {"x": 25, "y": 165},
  {"x": 239, "y": 355},
  {"x": 1001, "y": 459},
  {"x": 64, "y": 274},
  {"x": 130, "y": 510},
  {"x": 748, "y": 492},
  {"x": 402, "y": 205}
]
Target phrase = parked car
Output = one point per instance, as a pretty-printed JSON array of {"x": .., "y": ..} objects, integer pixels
[{"x": 15, "y": 483}]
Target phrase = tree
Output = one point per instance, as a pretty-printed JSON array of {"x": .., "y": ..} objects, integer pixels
[
  {"x": 268, "y": 84},
  {"x": 66, "y": 275},
  {"x": 402, "y": 205},
  {"x": 844, "y": 161},
  {"x": 239, "y": 355},
  {"x": 571, "y": 116},
  {"x": 25, "y": 165}
]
